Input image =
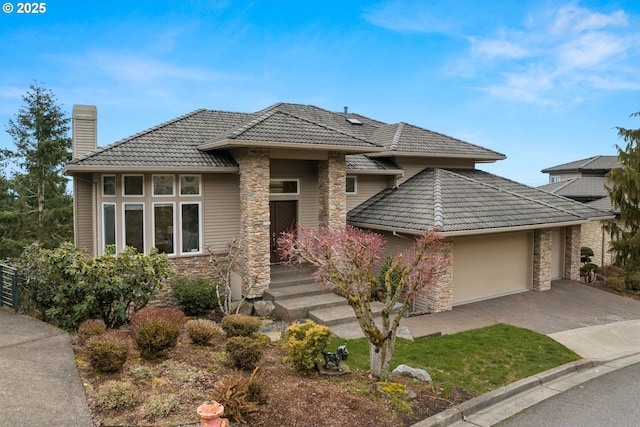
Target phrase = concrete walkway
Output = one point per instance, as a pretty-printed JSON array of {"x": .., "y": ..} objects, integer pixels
[{"x": 39, "y": 380}]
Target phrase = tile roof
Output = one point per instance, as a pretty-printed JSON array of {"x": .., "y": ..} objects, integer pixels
[
  {"x": 579, "y": 187},
  {"x": 458, "y": 201},
  {"x": 360, "y": 162},
  {"x": 591, "y": 164},
  {"x": 407, "y": 138},
  {"x": 170, "y": 144},
  {"x": 190, "y": 141}
]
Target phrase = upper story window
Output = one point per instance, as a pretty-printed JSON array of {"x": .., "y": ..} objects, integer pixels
[
  {"x": 163, "y": 185},
  {"x": 284, "y": 186},
  {"x": 133, "y": 185},
  {"x": 108, "y": 185},
  {"x": 352, "y": 185},
  {"x": 555, "y": 178},
  {"x": 189, "y": 185}
]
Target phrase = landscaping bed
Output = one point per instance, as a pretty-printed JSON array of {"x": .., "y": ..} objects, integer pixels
[{"x": 167, "y": 391}]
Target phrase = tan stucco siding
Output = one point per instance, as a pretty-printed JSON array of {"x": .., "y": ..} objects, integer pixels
[
  {"x": 413, "y": 165},
  {"x": 367, "y": 186},
  {"x": 84, "y": 211},
  {"x": 557, "y": 253},
  {"x": 308, "y": 198},
  {"x": 491, "y": 265},
  {"x": 221, "y": 210}
]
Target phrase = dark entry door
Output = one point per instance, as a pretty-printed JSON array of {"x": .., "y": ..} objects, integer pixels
[{"x": 283, "y": 218}]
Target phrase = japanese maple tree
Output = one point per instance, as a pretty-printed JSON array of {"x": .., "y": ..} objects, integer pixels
[{"x": 349, "y": 258}]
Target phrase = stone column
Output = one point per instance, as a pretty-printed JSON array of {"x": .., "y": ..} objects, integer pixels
[
  {"x": 332, "y": 181},
  {"x": 440, "y": 295},
  {"x": 254, "y": 259},
  {"x": 542, "y": 259},
  {"x": 573, "y": 241}
]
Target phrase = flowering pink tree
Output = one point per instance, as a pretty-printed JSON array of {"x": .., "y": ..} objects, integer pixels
[{"x": 348, "y": 259}]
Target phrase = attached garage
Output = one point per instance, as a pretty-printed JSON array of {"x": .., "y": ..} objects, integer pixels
[{"x": 491, "y": 265}]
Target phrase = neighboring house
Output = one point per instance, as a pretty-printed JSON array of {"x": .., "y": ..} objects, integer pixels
[
  {"x": 584, "y": 181},
  {"x": 198, "y": 182}
]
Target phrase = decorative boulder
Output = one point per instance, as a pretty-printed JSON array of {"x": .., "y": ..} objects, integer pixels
[
  {"x": 245, "y": 308},
  {"x": 417, "y": 373},
  {"x": 264, "y": 308}
]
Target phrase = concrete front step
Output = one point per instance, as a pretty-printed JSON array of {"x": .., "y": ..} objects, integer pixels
[
  {"x": 331, "y": 316},
  {"x": 299, "y": 307},
  {"x": 293, "y": 291}
]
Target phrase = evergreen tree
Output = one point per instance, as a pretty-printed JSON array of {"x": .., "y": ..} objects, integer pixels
[
  {"x": 37, "y": 193},
  {"x": 624, "y": 191}
]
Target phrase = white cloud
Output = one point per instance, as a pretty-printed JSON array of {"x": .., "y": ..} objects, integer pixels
[
  {"x": 557, "y": 57},
  {"x": 571, "y": 19},
  {"x": 407, "y": 16}
]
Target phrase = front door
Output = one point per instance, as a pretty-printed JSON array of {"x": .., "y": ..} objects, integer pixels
[{"x": 283, "y": 219}]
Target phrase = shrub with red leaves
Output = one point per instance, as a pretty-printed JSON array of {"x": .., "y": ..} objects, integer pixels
[{"x": 156, "y": 330}]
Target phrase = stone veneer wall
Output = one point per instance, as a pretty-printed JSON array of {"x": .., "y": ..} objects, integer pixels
[
  {"x": 597, "y": 239},
  {"x": 542, "y": 259},
  {"x": 440, "y": 296},
  {"x": 572, "y": 253},
  {"x": 254, "y": 220},
  {"x": 332, "y": 181}
]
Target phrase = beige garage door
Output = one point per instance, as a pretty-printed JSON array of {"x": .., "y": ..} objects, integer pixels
[{"x": 491, "y": 265}]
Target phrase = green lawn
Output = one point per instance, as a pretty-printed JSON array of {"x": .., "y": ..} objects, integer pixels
[{"x": 477, "y": 361}]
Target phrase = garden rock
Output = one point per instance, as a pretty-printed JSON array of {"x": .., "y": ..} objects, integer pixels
[
  {"x": 417, "y": 373},
  {"x": 264, "y": 308},
  {"x": 405, "y": 333},
  {"x": 245, "y": 308}
]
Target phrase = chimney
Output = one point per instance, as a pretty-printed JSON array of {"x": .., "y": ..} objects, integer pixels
[
  {"x": 346, "y": 111},
  {"x": 84, "y": 129}
]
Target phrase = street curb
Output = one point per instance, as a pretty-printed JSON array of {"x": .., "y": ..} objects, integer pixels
[{"x": 465, "y": 409}]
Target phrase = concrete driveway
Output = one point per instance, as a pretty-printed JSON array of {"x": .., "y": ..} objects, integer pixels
[{"x": 593, "y": 323}]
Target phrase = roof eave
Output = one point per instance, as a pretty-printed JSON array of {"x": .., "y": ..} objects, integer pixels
[
  {"x": 375, "y": 171},
  {"x": 480, "y": 159},
  {"x": 238, "y": 143},
  {"x": 70, "y": 170},
  {"x": 481, "y": 231}
]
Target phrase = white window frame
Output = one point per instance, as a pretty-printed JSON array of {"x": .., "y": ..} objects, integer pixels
[
  {"x": 115, "y": 186},
  {"x": 124, "y": 186},
  {"x": 104, "y": 226},
  {"x": 153, "y": 224},
  {"x": 199, "y": 185},
  {"x": 200, "y": 230},
  {"x": 555, "y": 178},
  {"x": 355, "y": 184},
  {"x": 144, "y": 225},
  {"x": 153, "y": 185},
  {"x": 296, "y": 180}
]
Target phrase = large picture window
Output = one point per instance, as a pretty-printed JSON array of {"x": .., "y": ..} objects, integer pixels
[
  {"x": 163, "y": 185},
  {"x": 109, "y": 223},
  {"x": 133, "y": 185},
  {"x": 134, "y": 225},
  {"x": 190, "y": 227},
  {"x": 163, "y": 227}
]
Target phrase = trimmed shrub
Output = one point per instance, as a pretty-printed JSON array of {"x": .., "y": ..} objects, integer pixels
[
  {"x": 303, "y": 342},
  {"x": 91, "y": 328},
  {"x": 614, "y": 277},
  {"x": 196, "y": 295},
  {"x": 240, "y": 325},
  {"x": 156, "y": 330},
  {"x": 244, "y": 352},
  {"x": 202, "y": 331},
  {"x": 107, "y": 353},
  {"x": 116, "y": 395},
  {"x": 140, "y": 373},
  {"x": 161, "y": 406}
]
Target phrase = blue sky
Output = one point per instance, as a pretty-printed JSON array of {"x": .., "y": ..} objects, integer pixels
[{"x": 544, "y": 82}]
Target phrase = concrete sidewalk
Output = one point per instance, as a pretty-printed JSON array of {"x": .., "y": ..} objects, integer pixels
[{"x": 39, "y": 380}]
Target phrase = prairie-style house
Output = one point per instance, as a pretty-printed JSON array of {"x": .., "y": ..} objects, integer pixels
[{"x": 198, "y": 182}]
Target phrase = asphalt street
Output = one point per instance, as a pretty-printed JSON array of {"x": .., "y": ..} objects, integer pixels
[{"x": 611, "y": 400}]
